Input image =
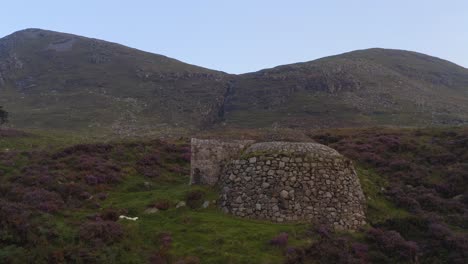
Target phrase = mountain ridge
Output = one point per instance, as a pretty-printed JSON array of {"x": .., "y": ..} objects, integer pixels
[{"x": 63, "y": 81}]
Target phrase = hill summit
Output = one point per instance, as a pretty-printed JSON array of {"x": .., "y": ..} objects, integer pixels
[{"x": 55, "y": 80}]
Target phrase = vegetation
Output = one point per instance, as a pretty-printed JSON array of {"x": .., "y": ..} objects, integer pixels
[
  {"x": 73, "y": 83},
  {"x": 3, "y": 116},
  {"x": 61, "y": 202},
  {"x": 423, "y": 172},
  {"x": 63, "y": 205},
  {"x": 65, "y": 82}
]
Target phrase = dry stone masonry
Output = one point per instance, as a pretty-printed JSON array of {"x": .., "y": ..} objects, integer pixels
[
  {"x": 287, "y": 182},
  {"x": 209, "y": 156}
]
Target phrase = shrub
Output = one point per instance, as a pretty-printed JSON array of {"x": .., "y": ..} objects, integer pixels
[
  {"x": 3, "y": 116},
  {"x": 332, "y": 250},
  {"x": 150, "y": 165},
  {"x": 165, "y": 239},
  {"x": 194, "y": 198},
  {"x": 43, "y": 200},
  {"x": 162, "y": 255},
  {"x": 280, "y": 240},
  {"x": 161, "y": 204},
  {"x": 188, "y": 260},
  {"x": 84, "y": 149},
  {"x": 101, "y": 232},
  {"x": 458, "y": 248},
  {"x": 323, "y": 231},
  {"x": 399, "y": 165},
  {"x": 439, "y": 231},
  {"x": 393, "y": 244},
  {"x": 15, "y": 222},
  {"x": 110, "y": 214},
  {"x": 361, "y": 251}
]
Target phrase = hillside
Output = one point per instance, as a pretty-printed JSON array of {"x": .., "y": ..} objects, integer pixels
[
  {"x": 62, "y": 204},
  {"x": 360, "y": 88},
  {"x": 52, "y": 80},
  {"x": 62, "y": 81}
]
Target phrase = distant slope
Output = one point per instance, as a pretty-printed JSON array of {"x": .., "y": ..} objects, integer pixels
[
  {"x": 61, "y": 81},
  {"x": 55, "y": 80},
  {"x": 365, "y": 87}
]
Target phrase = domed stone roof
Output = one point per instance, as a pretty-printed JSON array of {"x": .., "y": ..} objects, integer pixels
[{"x": 306, "y": 148}]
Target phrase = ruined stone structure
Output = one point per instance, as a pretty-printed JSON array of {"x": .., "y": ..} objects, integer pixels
[
  {"x": 283, "y": 182},
  {"x": 209, "y": 156}
]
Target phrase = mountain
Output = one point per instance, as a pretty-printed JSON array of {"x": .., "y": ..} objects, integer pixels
[
  {"x": 360, "y": 88},
  {"x": 62, "y": 81},
  {"x": 55, "y": 80}
]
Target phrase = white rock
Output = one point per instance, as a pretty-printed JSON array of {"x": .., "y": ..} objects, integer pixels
[{"x": 128, "y": 218}]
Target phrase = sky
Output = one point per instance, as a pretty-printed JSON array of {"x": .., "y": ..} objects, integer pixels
[{"x": 241, "y": 36}]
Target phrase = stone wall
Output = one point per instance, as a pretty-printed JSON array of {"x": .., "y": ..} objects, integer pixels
[
  {"x": 209, "y": 156},
  {"x": 280, "y": 181}
]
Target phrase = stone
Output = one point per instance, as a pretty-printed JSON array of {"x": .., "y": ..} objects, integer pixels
[
  {"x": 148, "y": 184},
  {"x": 151, "y": 210},
  {"x": 208, "y": 154},
  {"x": 206, "y": 204},
  {"x": 232, "y": 177},
  {"x": 180, "y": 204},
  {"x": 289, "y": 182}
]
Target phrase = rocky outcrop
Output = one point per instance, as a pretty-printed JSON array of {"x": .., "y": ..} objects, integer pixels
[{"x": 284, "y": 182}]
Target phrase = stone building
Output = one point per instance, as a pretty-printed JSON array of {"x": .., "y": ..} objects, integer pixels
[{"x": 281, "y": 181}]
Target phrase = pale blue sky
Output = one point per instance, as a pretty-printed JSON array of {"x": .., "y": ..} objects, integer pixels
[{"x": 247, "y": 35}]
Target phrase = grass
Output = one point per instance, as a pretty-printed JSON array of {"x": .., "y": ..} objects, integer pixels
[
  {"x": 207, "y": 233},
  {"x": 379, "y": 209},
  {"x": 43, "y": 140}
]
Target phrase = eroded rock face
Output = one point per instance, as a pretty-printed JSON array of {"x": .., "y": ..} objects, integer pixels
[{"x": 284, "y": 182}]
